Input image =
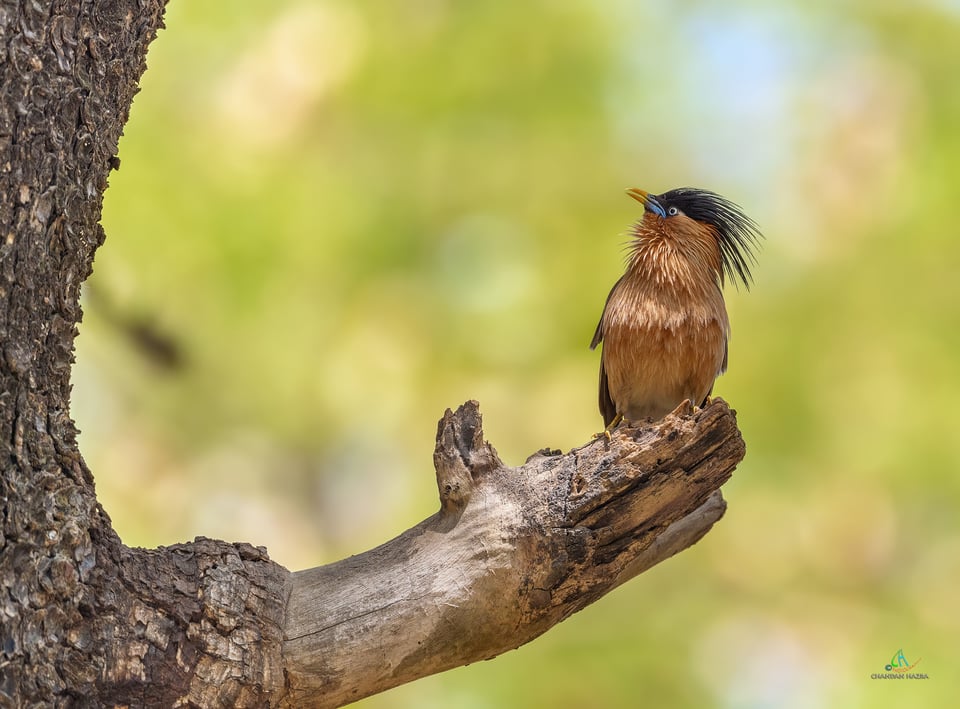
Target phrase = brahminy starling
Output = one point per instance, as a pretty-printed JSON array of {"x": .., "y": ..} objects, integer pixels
[{"x": 664, "y": 326}]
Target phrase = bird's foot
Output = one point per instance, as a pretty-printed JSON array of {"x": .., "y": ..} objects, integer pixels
[{"x": 605, "y": 433}]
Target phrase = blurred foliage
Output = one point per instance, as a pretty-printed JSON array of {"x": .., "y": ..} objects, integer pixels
[{"x": 351, "y": 215}]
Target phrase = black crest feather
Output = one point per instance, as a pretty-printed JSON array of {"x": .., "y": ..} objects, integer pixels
[{"x": 738, "y": 234}]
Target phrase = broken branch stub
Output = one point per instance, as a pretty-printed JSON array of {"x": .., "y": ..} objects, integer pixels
[{"x": 512, "y": 551}]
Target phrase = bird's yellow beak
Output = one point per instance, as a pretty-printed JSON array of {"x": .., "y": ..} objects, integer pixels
[{"x": 648, "y": 201}]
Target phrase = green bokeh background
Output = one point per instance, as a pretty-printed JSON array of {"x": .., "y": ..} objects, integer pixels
[{"x": 349, "y": 216}]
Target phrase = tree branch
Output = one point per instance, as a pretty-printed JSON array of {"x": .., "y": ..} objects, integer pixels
[{"x": 512, "y": 552}]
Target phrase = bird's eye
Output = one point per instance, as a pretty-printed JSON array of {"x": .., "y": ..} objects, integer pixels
[{"x": 672, "y": 212}]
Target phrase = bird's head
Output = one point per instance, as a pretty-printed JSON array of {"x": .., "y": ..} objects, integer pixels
[{"x": 688, "y": 210}]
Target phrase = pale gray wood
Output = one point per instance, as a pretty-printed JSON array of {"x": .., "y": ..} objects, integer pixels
[{"x": 512, "y": 552}]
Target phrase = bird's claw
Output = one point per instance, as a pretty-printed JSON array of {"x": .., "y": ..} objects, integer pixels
[{"x": 606, "y": 433}]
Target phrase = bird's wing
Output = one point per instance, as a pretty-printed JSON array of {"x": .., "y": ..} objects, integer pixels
[
  {"x": 607, "y": 408},
  {"x": 598, "y": 335}
]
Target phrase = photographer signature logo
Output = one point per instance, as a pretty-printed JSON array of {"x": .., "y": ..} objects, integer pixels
[{"x": 900, "y": 668}]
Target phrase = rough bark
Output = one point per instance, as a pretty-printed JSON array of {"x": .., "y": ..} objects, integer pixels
[{"x": 85, "y": 620}]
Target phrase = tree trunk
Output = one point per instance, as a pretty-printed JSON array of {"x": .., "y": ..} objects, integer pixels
[{"x": 85, "y": 620}]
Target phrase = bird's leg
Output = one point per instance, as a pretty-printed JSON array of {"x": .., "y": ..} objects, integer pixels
[
  {"x": 612, "y": 425},
  {"x": 708, "y": 399}
]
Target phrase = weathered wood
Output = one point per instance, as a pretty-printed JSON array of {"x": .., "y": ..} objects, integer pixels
[
  {"x": 86, "y": 621},
  {"x": 512, "y": 552}
]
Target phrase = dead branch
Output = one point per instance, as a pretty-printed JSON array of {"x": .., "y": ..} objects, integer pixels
[{"x": 512, "y": 551}]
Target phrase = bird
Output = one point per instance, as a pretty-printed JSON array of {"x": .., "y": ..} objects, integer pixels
[{"x": 664, "y": 325}]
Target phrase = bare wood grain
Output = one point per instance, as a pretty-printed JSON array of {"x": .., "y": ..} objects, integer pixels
[{"x": 512, "y": 552}]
